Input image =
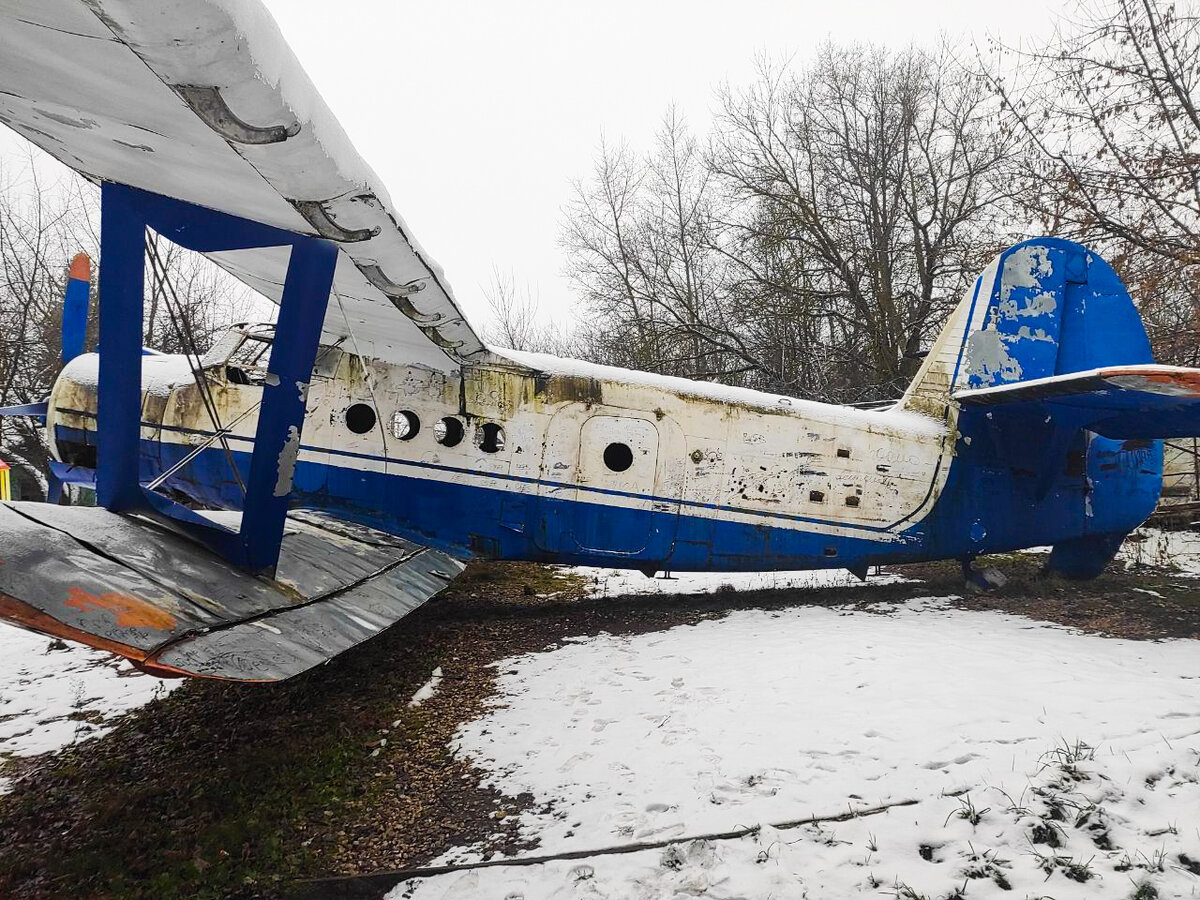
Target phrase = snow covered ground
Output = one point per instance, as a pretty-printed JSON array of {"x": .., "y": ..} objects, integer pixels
[
  {"x": 50, "y": 698},
  {"x": 1153, "y": 547},
  {"x": 973, "y": 720},
  {"x": 622, "y": 582}
]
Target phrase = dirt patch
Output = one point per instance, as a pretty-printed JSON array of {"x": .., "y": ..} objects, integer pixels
[{"x": 1140, "y": 602}]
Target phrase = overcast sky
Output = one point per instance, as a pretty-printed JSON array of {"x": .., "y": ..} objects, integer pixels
[
  {"x": 506, "y": 101},
  {"x": 478, "y": 115}
]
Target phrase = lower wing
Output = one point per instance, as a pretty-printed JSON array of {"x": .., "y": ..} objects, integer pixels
[{"x": 133, "y": 587}]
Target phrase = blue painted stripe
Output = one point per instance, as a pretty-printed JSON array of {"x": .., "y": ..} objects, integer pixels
[
  {"x": 766, "y": 515},
  {"x": 962, "y": 344}
]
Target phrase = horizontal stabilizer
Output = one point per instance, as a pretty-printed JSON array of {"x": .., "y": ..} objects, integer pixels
[
  {"x": 36, "y": 410},
  {"x": 1120, "y": 402},
  {"x": 130, "y": 586}
]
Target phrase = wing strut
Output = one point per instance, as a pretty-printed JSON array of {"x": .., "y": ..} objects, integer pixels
[{"x": 125, "y": 214}]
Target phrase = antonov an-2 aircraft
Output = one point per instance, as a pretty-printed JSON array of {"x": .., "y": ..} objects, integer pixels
[{"x": 305, "y": 484}]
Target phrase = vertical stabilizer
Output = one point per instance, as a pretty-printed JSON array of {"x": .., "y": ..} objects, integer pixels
[{"x": 1043, "y": 307}]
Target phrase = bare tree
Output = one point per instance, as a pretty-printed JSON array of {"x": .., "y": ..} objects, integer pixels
[
  {"x": 41, "y": 228},
  {"x": 871, "y": 188},
  {"x": 1111, "y": 106},
  {"x": 836, "y": 214},
  {"x": 645, "y": 250},
  {"x": 517, "y": 319}
]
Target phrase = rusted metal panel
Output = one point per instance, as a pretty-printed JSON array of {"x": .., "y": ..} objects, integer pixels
[
  {"x": 127, "y": 585},
  {"x": 162, "y": 557},
  {"x": 286, "y": 643},
  {"x": 89, "y": 592}
]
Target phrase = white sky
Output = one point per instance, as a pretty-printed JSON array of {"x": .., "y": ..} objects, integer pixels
[
  {"x": 506, "y": 102},
  {"x": 477, "y": 115}
]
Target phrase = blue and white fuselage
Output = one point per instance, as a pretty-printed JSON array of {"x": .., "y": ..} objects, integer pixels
[{"x": 538, "y": 458}]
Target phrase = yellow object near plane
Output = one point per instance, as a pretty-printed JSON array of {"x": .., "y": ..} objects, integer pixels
[{"x": 5, "y": 483}]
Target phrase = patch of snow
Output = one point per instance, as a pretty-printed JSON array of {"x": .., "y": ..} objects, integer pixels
[
  {"x": 52, "y": 698},
  {"x": 1166, "y": 549},
  {"x": 766, "y": 717},
  {"x": 161, "y": 372},
  {"x": 428, "y": 689},
  {"x": 622, "y": 582}
]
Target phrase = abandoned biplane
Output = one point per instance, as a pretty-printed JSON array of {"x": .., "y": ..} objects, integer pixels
[{"x": 303, "y": 485}]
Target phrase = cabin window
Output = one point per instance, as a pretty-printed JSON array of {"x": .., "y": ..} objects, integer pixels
[
  {"x": 618, "y": 457},
  {"x": 405, "y": 425},
  {"x": 852, "y": 500},
  {"x": 816, "y": 496},
  {"x": 448, "y": 432},
  {"x": 843, "y": 453},
  {"x": 360, "y": 418},
  {"x": 489, "y": 437}
]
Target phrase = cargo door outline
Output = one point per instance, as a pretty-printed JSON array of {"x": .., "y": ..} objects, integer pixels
[{"x": 585, "y": 507}]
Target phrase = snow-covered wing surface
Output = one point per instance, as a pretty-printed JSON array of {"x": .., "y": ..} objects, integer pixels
[
  {"x": 126, "y": 585},
  {"x": 1123, "y": 402},
  {"x": 202, "y": 100}
]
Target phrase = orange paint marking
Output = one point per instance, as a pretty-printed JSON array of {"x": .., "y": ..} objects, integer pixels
[
  {"x": 130, "y": 612},
  {"x": 26, "y": 616},
  {"x": 81, "y": 267}
]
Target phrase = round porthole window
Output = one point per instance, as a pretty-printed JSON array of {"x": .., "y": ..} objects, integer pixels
[
  {"x": 360, "y": 418},
  {"x": 405, "y": 425},
  {"x": 618, "y": 457},
  {"x": 448, "y": 432},
  {"x": 489, "y": 437}
]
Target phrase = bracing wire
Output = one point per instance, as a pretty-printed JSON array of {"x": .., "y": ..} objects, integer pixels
[
  {"x": 367, "y": 376},
  {"x": 190, "y": 351}
]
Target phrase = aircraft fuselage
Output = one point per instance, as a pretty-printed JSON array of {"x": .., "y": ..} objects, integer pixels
[{"x": 543, "y": 459}]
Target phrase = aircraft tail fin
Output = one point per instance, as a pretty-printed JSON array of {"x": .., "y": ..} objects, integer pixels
[{"x": 1043, "y": 309}]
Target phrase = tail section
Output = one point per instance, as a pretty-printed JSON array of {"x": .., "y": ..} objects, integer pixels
[
  {"x": 1045, "y": 371},
  {"x": 1044, "y": 308}
]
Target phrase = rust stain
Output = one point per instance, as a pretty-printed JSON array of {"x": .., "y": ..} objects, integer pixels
[
  {"x": 1183, "y": 382},
  {"x": 129, "y": 611},
  {"x": 26, "y": 616}
]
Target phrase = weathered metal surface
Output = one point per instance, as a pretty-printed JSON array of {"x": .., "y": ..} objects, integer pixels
[
  {"x": 288, "y": 642},
  {"x": 129, "y": 586},
  {"x": 54, "y": 574},
  {"x": 204, "y": 101}
]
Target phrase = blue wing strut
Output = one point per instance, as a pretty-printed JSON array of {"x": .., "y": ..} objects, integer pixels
[{"x": 124, "y": 216}]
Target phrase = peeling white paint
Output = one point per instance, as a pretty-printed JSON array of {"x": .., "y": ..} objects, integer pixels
[
  {"x": 1025, "y": 333},
  {"x": 988, "y": 357}
]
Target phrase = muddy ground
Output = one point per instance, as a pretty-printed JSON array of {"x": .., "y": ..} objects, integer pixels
[{"x": 246, "y": 790}]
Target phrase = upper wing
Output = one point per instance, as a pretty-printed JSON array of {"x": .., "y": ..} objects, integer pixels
[
  {"x": 203, "y": 100},
  {"x": 1122, "y": 402}
]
